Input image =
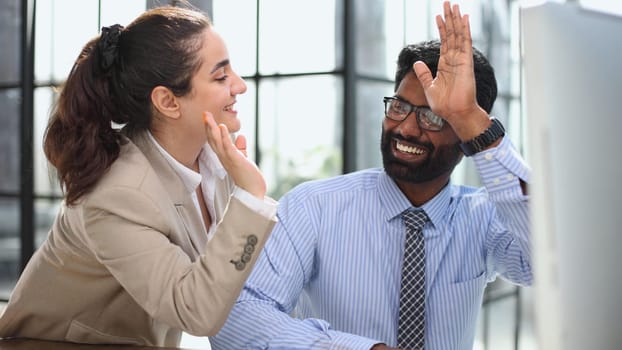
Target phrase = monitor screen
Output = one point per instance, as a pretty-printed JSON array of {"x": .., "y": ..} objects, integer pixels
[{"x": 572, "y": 74}]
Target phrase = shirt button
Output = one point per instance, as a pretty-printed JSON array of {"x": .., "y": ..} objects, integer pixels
[
  {"x": 502, "y": 152},
  {"x": 497, "y": 181},
  {"x": 510, "y": 177},
  {"x": 488, "y": 156}
]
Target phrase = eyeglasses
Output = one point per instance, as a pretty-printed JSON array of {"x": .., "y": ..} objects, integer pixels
[{"x": 398, "y": 110}]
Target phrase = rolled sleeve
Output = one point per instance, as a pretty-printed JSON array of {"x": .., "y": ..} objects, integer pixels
[{"x": 501, "y": 169}]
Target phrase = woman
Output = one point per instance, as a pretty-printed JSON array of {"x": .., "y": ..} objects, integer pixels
[{"x": 158, "y": 230}]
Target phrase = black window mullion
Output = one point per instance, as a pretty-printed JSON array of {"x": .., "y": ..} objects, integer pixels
[
  {"x": 349, "y": 87},
  {"x": 27, "y": 232}
]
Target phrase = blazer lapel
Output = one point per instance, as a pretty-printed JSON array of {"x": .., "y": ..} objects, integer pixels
[{"x": 177, "y": 191}]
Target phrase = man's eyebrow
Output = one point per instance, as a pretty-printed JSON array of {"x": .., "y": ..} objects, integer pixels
[
  {"x": 219, "y": 65},
  {"x": 399, "y": 97}
]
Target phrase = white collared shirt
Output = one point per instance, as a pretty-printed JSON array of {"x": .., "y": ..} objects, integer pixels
[{"x": 210, "y": 168}]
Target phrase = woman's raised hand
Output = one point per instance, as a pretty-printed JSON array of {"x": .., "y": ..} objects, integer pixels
[{"x": 244, "y": 172}]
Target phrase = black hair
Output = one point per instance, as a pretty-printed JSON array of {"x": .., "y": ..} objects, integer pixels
[{"x": 429, "y": 53}]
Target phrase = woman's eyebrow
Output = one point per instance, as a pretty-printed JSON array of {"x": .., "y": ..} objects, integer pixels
[{"x": 220, "y": 65}]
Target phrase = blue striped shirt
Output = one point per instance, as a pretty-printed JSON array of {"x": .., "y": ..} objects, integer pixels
[{"x": 329, "y": 275}]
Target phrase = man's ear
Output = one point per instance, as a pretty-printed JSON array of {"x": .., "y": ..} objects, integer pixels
[{"x": 165, "y": 102}]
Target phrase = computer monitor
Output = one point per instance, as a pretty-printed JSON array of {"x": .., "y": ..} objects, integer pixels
[{"x": 573, "y": 105}]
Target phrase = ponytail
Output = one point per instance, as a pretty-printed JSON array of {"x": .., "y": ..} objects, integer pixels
[{"x": 79, "y": 140}]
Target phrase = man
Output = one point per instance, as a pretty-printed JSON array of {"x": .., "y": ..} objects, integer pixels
[{"x": 337, "y": 272}]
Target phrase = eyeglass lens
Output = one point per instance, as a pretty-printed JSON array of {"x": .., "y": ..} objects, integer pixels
[{"x": 399, "y": 110}]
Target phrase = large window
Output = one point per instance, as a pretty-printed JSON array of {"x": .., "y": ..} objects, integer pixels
[
  {"x": 290, "y": 54},
  {"x": 11, "y": 38}
]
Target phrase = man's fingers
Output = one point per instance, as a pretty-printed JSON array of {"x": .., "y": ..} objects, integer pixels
[
  {"x": 442, "y": 33},
  {"x": 456, "y": 18},
  {"x": 463, "y": 33},
  {"x": 450, "y": 35},
  {"x": 423, "y": 74}
]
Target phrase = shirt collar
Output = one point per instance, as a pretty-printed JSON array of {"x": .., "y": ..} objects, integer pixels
[
  {"x": 209, "y": 161},
  {"x": 191, "y": 179},
  {"x": 395, "y": 202}
]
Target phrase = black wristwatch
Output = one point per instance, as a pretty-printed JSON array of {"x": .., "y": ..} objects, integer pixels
[{"x": 494, "y": 132}]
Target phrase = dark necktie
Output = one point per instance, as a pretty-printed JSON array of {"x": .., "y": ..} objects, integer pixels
[{"x": 411, "y": 324}]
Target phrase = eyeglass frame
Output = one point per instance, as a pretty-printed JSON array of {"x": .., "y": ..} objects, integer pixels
[{"x": 413, "y": 108}]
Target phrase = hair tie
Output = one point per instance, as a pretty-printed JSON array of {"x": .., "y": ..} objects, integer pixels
[{"x": 109, "y": 46}]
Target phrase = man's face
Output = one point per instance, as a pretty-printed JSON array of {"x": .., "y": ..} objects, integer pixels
[{"x": 412, "y": 154}]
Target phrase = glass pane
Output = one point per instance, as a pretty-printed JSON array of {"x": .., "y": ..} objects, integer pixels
[
  {"x": 379, "y": 36},
  {"x": 420, "y": 21},
  {"x": 44, "y": 175},
  {"x": 498, "y": 288},
  {"x": 9, "y": 246},
  {"x": 120, "y": 11},
  {"x": 10, "y": 36},
  {"x": 607, "y": 6},
  {"x": 297, "y": 36},
  {"x": 300, "y": 130},
  {"x": 501, "y": 324},
  {"x": 508, "y": 111},
  {"x": 9, "y": 140},
  {"x": 239, "y": 30},
  {"x": 527, "y": 334},
  {"x": 246, "y": 113},
  {"x": 45, "y": 213},
  {"x": 43, "y": 41},
  {"x": 518, "y": 127},
  {"x": 59, "y": 41},
  {"x": 478, "y": 343},
  {"x": 501, "y": 110},
  {"x": 369, "y": 115}
]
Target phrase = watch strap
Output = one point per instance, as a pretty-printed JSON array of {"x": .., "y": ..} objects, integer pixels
[{"x": 494, "y": 132}]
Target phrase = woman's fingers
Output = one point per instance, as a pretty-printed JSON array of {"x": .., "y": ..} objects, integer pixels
[
  {"x": 225, "y": 140},
  {"x": 240, "y": 144},
  {"x": 217, "y": 135},
  {"x": 244, "y": 172},
  {"x": 212, "y": 131}
]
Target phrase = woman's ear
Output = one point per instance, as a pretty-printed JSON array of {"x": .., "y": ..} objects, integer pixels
[{"x": 165, "y": 102}]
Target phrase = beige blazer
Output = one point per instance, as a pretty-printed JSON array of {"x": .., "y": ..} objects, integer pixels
[{"x": 130, "y": 263}]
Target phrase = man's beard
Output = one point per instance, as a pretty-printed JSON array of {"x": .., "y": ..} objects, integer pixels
[{"x": 441, "y": 160}]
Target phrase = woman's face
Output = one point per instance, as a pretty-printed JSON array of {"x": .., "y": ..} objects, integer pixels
[{"x": 214, "y": 88}]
